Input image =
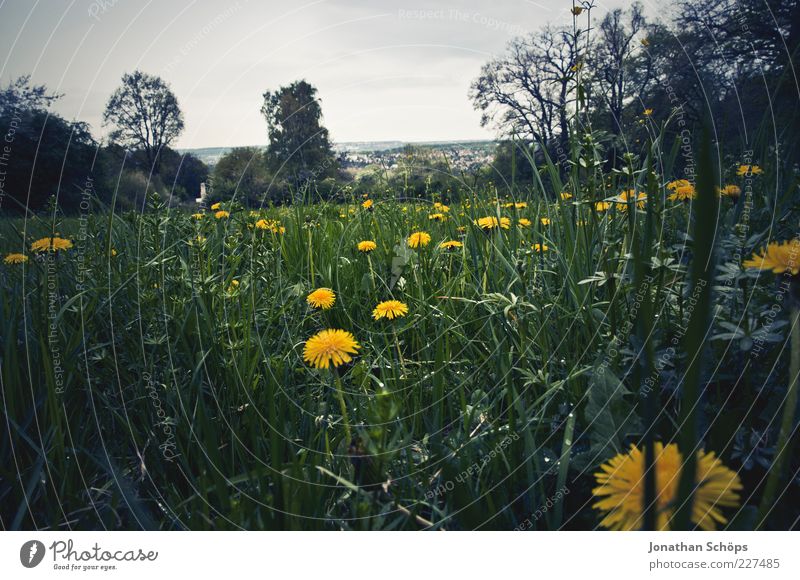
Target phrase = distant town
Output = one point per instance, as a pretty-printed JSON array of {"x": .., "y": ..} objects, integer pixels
[{"x": 466, "y": 156}]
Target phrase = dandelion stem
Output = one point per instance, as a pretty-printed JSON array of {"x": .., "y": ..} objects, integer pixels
[{"x": 343, "y": 406}]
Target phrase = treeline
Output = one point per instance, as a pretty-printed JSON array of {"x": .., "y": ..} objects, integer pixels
[
  {"x": 729, "y": 61},
  {"x": 45, "y": 158}
]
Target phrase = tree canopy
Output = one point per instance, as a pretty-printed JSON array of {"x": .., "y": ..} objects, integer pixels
[
  {"x": 299, "y": 144},
  {"x": 144, "y": 113}
]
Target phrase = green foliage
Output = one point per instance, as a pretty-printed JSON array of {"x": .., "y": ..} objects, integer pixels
[{"x": 299, "y": 147}]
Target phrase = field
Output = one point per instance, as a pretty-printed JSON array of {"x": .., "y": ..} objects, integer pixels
[{"x": 158, "y": 372}]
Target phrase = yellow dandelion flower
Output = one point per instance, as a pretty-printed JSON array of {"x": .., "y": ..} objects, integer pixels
[
  {"x": 683, "y": 193},
  {"x": 198, "y": 216},
  {"x": 262, "y": 225},
  {"x": 620, "y": 489},
  {"x": 51, "y": 245},
  {"x": 321, "y": 298},
  {"x": 451, "y": 245},
  {"x": 565, "y": 195},
  {"x": 437, "y": 217},
  {"x": 216, "y": 206},
  {"x": 222, "y": 214},
  {"x": 367, "y": 204},
  {"x": 390, "y": 309},
  {"x": 647, "y": 112},
  {"x": 330, "y": 348},
  {"x": 419, "y": 240},
  {"x": 539, "y": 248},
  {"x": 674, "y": 185},
  {"x": 524, "y": 222},
  {"x": 730, "y": 191},
  {"x": 15, "y": 258},
  {"x": 749, "y": 170},
  {"x": 545, "y": 221},
  {"x": 629, "y": 196},
  {"x": 367, "y": 246},
  {"x": 779, "y": 257},
  {"x": 491, "y": 223},
  {"x": 602, "y": 206}
]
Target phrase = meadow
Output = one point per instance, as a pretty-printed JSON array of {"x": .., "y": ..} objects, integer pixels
[{"x": 500, "y": 361}]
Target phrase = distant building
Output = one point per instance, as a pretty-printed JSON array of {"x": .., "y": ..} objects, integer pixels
[{"x": 202, "y": 193}]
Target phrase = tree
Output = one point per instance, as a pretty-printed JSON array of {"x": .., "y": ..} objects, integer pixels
[
  {"x": 145, "y": 114},
  {"x": 183, "y": 173},
  {"x": 526, "y": 92},
  {"x": 619, "y": 69},
  {"x": 241, "y": 174},
  {"x": 298, "y": 143},
  {"x": 42, "y": 154}
]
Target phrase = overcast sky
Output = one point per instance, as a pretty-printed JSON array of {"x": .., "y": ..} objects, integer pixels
[{"x": 384, "y": 70}]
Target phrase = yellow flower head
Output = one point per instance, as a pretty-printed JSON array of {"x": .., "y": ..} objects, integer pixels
[
  {"x": 731, "y": 191},
  {"x": 222, "y": 214},
  {"x": 273, "y": 226},
  {"x": 419, "y": 240},
  {"x": 621, "y": 489},
  {"x": 367, "y": 246},
  {"x": 524, "y": 222},
  {"x": 564, "y": 195},
  {"x": 15, "y": 259},
  {"x": 749, "y": 170},
  {"x": 51, "y": 245},
  {"x": 490, "y": 223},
  {"x": 539, "y": 248},
  {"x": 367, "y": 204},
  {"x": 647, "y": 112},
  {"x": 451, "y": 245},
  {"x": 674, "y": 185},
  {"x": 683, "y": 192},
  {"x": 576, "y": 10},
  {"x": 438, "y": 217},
  {"x": 321, "y": 298},
  {"x": 778, "y": 257},
  {"x": 330, "y": 348},
  {"x": 545, "y": 221},
  {"x": 629, "y": 196},
  {"x": 390, "y": 309},
  {"x": 216, "y": 206},
  {"x": 602, "y": 206},
  {"x": 198, "y": 216}
]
